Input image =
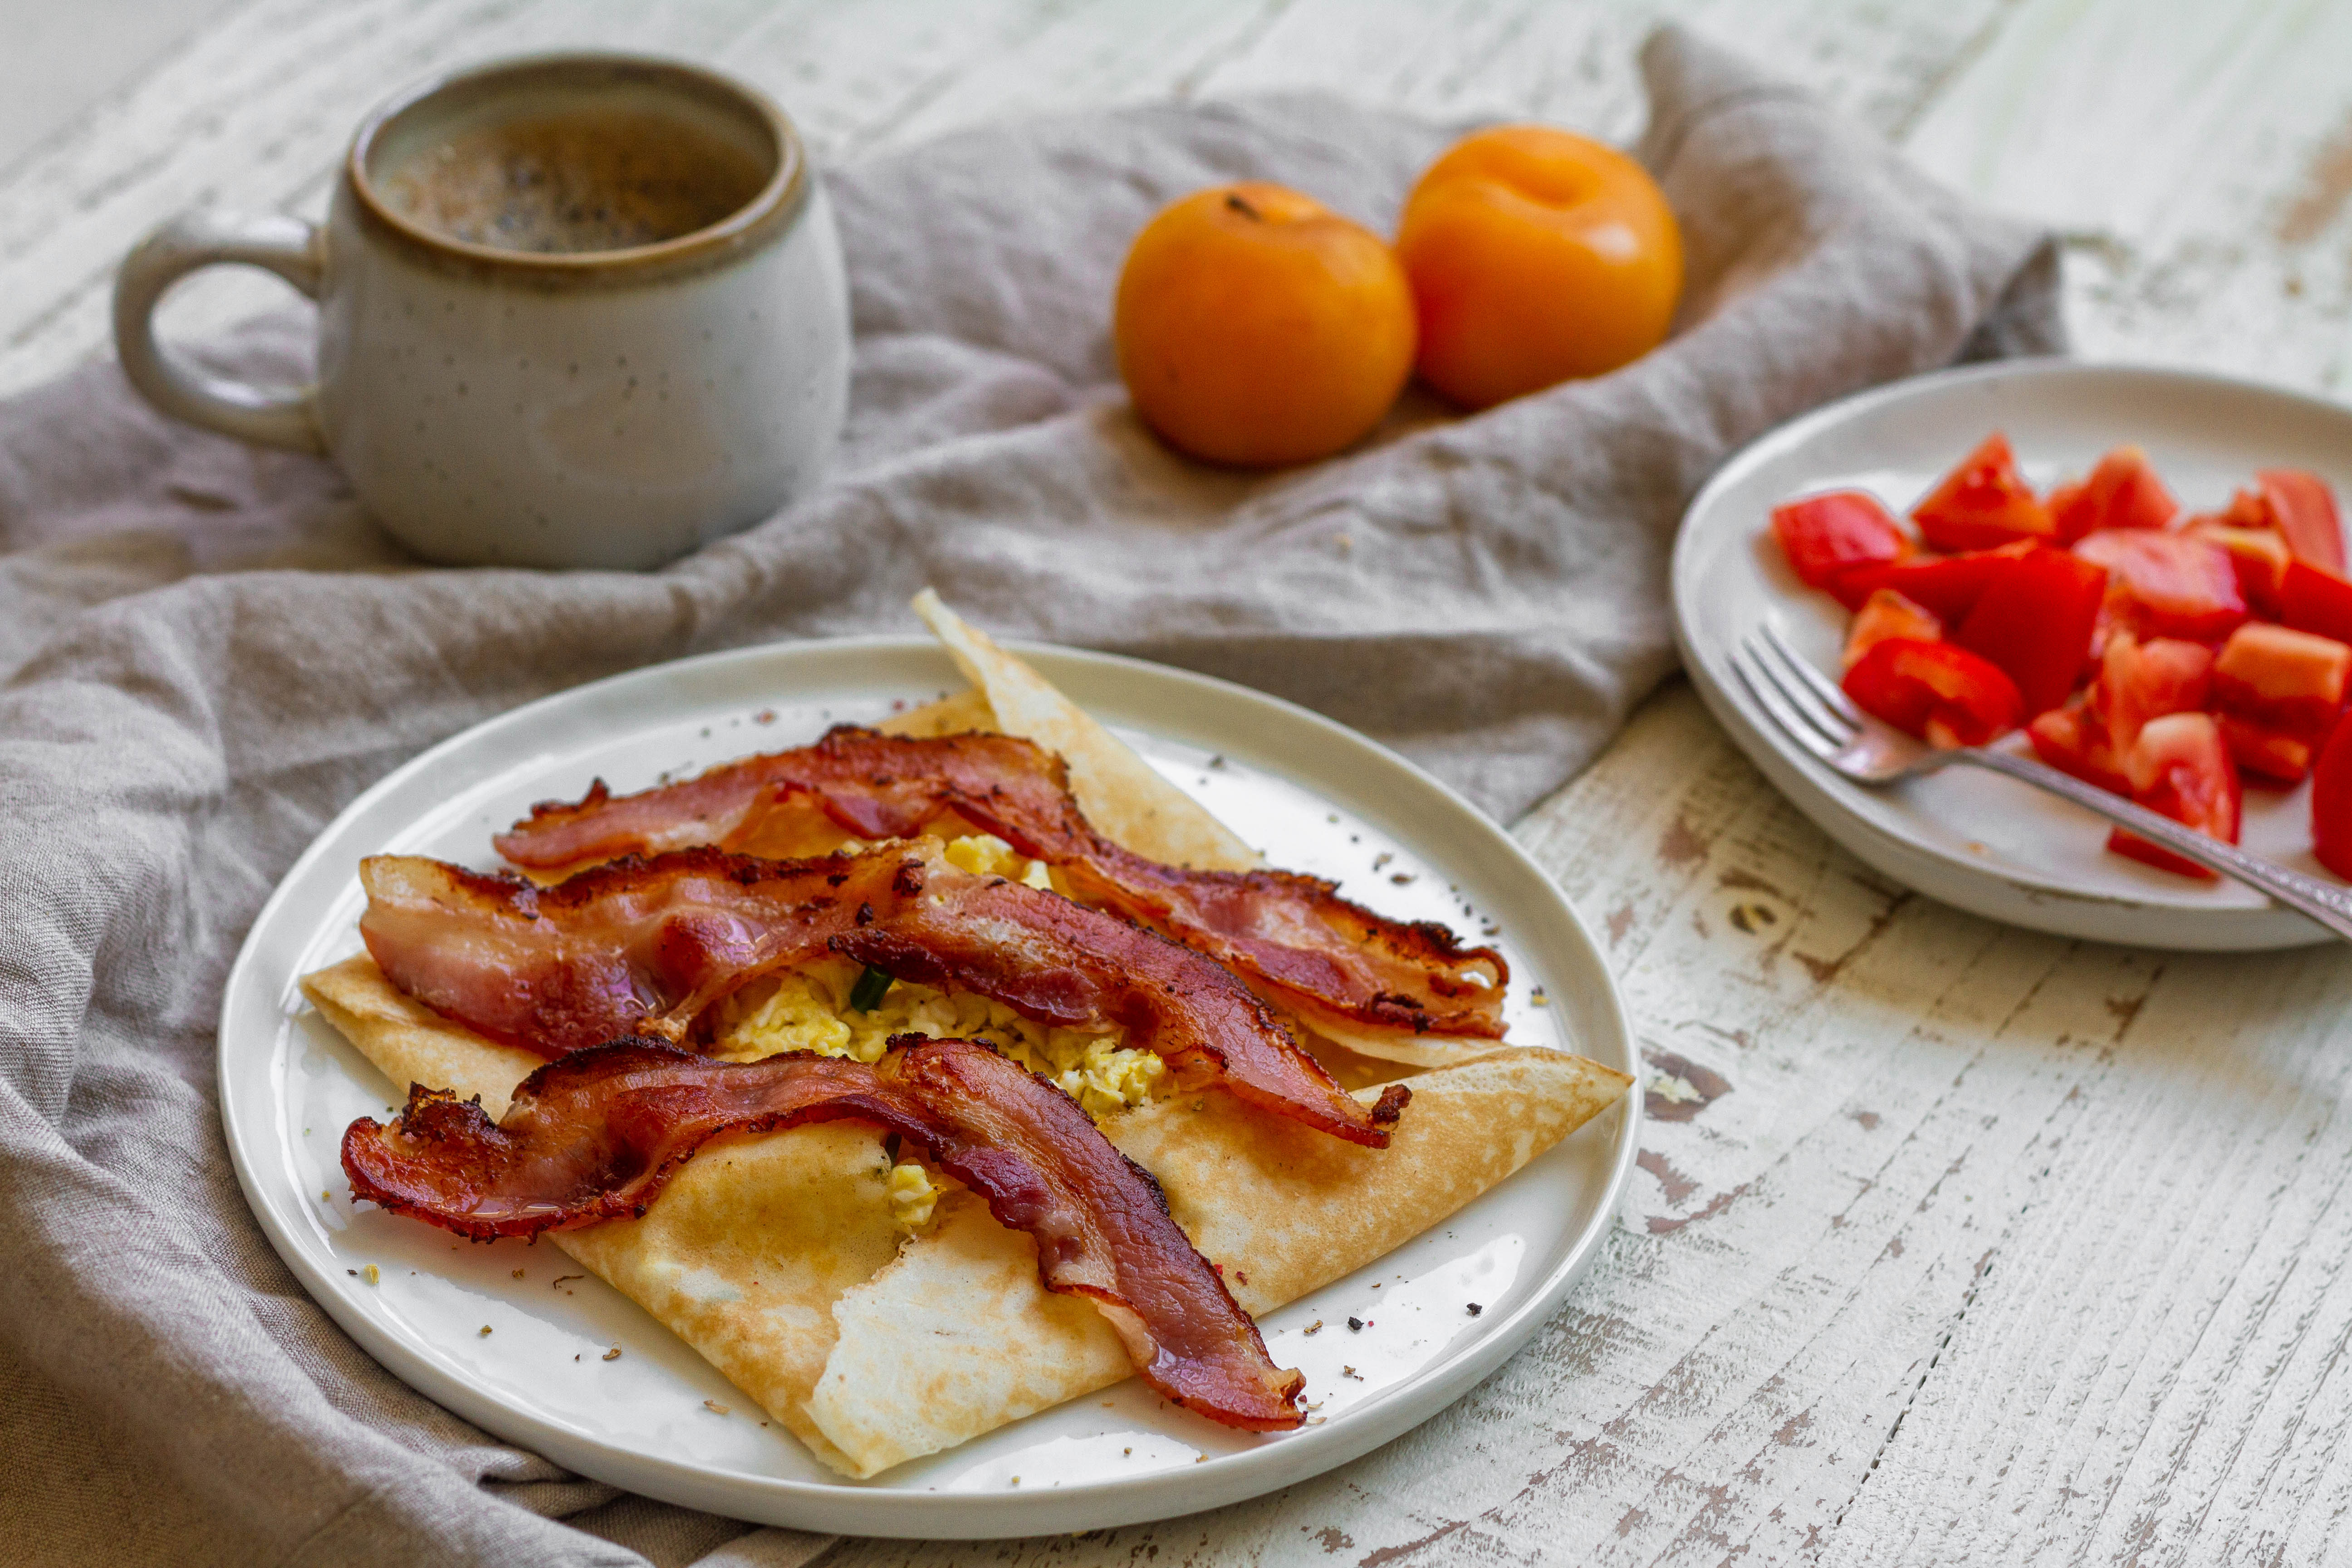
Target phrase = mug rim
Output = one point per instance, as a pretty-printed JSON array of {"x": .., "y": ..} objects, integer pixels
[{"x": 772, "y": 207}]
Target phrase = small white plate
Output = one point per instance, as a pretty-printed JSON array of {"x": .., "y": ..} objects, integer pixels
[
  {"x": 1316, "y": 797},
  {"x": 1985, "y": 843}
]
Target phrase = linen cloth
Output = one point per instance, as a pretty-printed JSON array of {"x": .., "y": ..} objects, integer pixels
[{"x": 213, "y": 651}]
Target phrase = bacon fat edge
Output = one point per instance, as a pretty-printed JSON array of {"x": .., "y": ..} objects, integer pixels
[
  {"x": 1292, "y": 934},
  {"x": 647, "y": 946},
  {"x": 596, "y": 1135}
]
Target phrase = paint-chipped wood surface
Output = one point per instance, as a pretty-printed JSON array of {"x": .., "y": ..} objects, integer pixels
[{"x": 1950, "y": 1243}]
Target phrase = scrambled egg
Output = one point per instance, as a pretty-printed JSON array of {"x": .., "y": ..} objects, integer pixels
[
  {"x": 986, "y": 855},
  {"x": 912, "y": 1195},
  {"x": 809, "y": 1010}
]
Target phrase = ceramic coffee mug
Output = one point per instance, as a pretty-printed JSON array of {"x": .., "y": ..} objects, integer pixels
[{"x": 526, "y": 355}]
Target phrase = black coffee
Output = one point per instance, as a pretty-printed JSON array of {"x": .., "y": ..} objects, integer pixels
[{"x": 575, "y": 182}]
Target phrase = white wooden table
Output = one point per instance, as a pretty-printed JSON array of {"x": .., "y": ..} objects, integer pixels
[{"x": 1952, "y": 1243}]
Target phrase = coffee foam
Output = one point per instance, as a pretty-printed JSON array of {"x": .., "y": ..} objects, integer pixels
[{"x": 572, "y": 182}]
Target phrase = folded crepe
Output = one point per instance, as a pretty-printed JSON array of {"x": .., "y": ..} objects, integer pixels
[{"x": 778, "y": 1256}]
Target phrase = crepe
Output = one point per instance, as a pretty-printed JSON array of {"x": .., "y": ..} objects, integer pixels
[
  {"x": 746, "y": 1250},
  {"x": 776, "y": 1258}
]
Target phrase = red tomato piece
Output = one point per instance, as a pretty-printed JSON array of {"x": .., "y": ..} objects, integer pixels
[
  {"x": 2259, "y": 556},
  {"x": 2303, "y": 509},
  {"x": 1949, "y": 585},
  {"x": 2278, "y": 676},
  {"x": 2248, "y": 509},
  {"x": 2143, "y": 680},
  {"x": 2034, "y": 619},
  {"x": 2166, "y": 584},
  {"x": 1887, "y": 614},
  {"x": 2279, "y": 692},
  {"x": 2121, "y": 491},
  {"x": 2314, "y": 599},
  {"x": 2266, "y": 756},
  {"x": 1983, "y": 503},
  {"x": 2331, "y": 803},
  {"x": 1825, "y": 535},
  {"x": 1945, "y": 695},
  {"x": 2181, "y": 767},
  {"x": 2072, "y": 739}
]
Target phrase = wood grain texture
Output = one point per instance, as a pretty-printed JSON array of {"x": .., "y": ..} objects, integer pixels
[
  {"x": 253, "y": 113},
  {"x": 1951, "y": 1243},
  {"x": 2198, "y": 157}
]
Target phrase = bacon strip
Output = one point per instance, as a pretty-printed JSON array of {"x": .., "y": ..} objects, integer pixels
[
  {"x": 647, "y": 946},
  {"x": 1303, "y": 945},
  {"x": 597, "y": 1135}
]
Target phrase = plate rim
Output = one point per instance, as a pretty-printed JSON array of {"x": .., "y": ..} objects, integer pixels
[
  {"x": 2019, "y": 897},
  {"x": 848, "y": 1506}
]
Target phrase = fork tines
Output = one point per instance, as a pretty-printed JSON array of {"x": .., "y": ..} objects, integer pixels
[{"x": 1800, "y": 700}]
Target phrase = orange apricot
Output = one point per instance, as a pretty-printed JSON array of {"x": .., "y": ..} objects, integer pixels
[
  {"x": 1536, "y": 256},
  {"x": 1255, "y": 328}
]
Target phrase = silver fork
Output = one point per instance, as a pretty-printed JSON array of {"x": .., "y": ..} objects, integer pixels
[{"x": 1821, "y": 717}]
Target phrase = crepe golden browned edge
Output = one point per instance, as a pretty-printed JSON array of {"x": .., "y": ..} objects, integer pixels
[
  {"x": 775, "y": 1256},
  {"x": 746, "y": 1250},
  {"x": 1282, "y": 1208},
  {"x": 1123, "y": 795}
]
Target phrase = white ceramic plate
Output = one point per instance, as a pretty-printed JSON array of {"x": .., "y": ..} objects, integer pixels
[
  {"x": 1315, "y": 797},
  {"x": 1988, "y": 844}
]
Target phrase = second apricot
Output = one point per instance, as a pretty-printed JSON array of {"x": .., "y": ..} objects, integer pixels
[{"x": 1536, "y": 256}]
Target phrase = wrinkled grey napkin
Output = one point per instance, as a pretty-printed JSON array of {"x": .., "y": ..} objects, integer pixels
[{"x": 214, "y": 652}]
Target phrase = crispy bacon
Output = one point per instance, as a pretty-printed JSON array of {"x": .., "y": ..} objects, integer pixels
[
  {"x": 1300, "y": 943},
  {"x": 597, "y": 1135},
  {"x": 647, "y": 946}
]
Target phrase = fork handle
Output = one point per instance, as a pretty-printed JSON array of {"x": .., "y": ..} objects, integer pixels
[{"x": 2330, "y": 906}]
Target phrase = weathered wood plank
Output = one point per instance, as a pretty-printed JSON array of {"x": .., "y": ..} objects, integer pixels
[
  {"x": 2156, "y": 1365},
  {"x": 253, "y": 113},
  {"x": 2199, "y": 155},
  {"x": 1575, "y": 64}
]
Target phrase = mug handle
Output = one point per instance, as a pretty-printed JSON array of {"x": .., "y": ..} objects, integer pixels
[{"x": 286, "y": 246}]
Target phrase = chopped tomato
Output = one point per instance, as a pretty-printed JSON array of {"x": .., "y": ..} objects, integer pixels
[
  {"x": 2166, "y": 584},
  {"x": 2034, "y": 619},
  {"x": 2167, "y": 658},
  {"x": 2072, "y": 739},
  {"x": 2259, "y": 556},
  {"x": 1948, "y": 585},
  {"x": 1887, "y": 614},
  {"x": 2181, "y": 767},
  {"x": 2331, "y": 803},
  {"x": 2279, "y": 692},
  {"x": 2248, "y": 509},
  {"x": 2294, "y": 680},
  {"x": 2269, "y": 756},
  {"x": 2303, "y": 508},
  {"x": 1983, "y": 503},
  {"x": 1945, "y": 695},
  {"x": 2122, "y": 491},
  {"x": 2143, "y": 680},
  {"x": 2314, "y": 599},
  {"x": 1826, "y": 535}
]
